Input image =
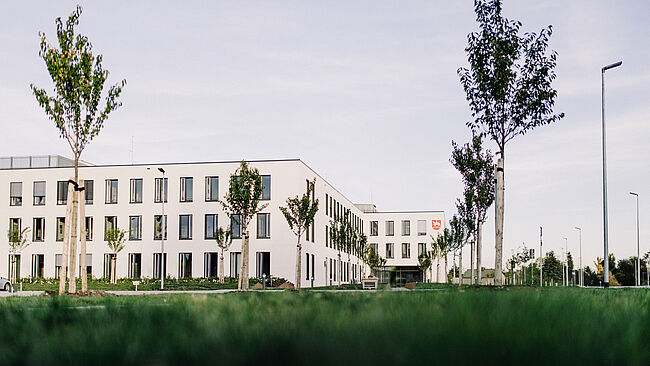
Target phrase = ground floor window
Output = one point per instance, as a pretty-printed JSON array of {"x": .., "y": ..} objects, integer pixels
[
  {"x": 235, "y": 264},
  {"x": 184, "y": 265},
  {"x": 58, "y": 259},
  {"x": 108, "y": 264},
  {"x": 157, "y": 265},
  {"x": 210, "y": 262},
  {"x": 38, "y": 265},
  {"x": 14, "y": 260},
  {"x": 89, "y": 265},
  {"x": 135, "y": 265},
  {"x": 263, "y": 264}
]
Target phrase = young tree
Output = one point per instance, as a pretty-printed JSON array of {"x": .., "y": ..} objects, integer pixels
[
  {"x": 440, "y": 250},
  {"x": 424, "y": 263},
  {"x": 477, "y": 171},
  {"x": 340, "y": 235},
  {"x": 300, "y": 213},
  {"x": 373, "y": 259},
  {"x": 242, "y": 203},
  {"x": 224, "y": 239},
  {"x": 508, "y": 87},
  {"x": 17, "y": 242},
  {"x": 115, "y": 238},
  {"x": 458, "y": 237},
  {"x": 467, "y": 216},
  {"x": 78, "y": 78}
]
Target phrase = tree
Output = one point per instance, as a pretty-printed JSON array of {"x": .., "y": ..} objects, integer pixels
[
  {"x": 508, "y": 87},
  {"x": 612, "y": 270},
  {"x": 458, "y": 237},
  {"x": 552, "y": 268},
  {"x": 115, "y": 238},
  {"x": 341, "y": 236},
  {"x": 477, "y": 169},
  {"x": 242, "y": 203},
  {"x": 424, "y": 263},
  {"x": 78, "y": 78},
  {"x": 373, "y": 259},
  {"x": 467, "y": 217},
  {"x": 223, "y": 239},
  {"x": 17, "y": 242},
  {"x": 625, "y": 274},
  {"x": 299, "y": 213},
  {"x": 440, "y": 247}
]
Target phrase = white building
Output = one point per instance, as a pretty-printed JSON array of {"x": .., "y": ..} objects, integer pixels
[{"x": 130, "y": 197}]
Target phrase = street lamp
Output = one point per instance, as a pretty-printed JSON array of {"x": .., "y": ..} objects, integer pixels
[
  {"x": 606, "y": 258},
  {"x": 566, "y": 261},
  {"x": 163, "y": 229},
  {"x": 581, "y": 280},
  {"x": 638, "y": 251}
]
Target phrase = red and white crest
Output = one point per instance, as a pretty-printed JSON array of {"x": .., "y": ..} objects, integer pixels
[{"x": 436, "y": 224}]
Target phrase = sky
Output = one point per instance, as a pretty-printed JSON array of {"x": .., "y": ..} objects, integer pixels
[{"x": 364, "y": 92}]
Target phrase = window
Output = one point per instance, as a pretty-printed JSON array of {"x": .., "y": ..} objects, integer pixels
[
  {"x": 263, "y": 225},
  {"x": 38, "y": 229},
  {"x": 135, "y": 227},
  {"x": 108, "y": 264},
  {"x": 61, "y": 192},
  {"x": 38, "y": 265},
  {"x": 235, "y": 263},
  {"x": 15, "y": 224},
  {"x": 184, "y": 265},
  {"x": 235, "y": 227},
  {"x": 422, "y": 227},
  {"x": 157, "y": 265},
  {"x": 263, "y": 264},
  {"x": 39, "y": 193},
  {"x": 406, "y": 250},
  {"x": 110, "y": 223},
  {"x": 89, "y": 189},
  {"x": 390, "y": 250},
  {"x": 211, "y": 225},
  {"x": 111, "y": 191},
  {"x": 89, "y": 228},
  {"x": 160, "y": 191},
  {"x": 210, "y": 263},
  {"x": 89, "y": 265},
  {"x": 136, "y": 191},
  {"x": 16, "y": 193},
  {"x": 422, "y": 249},
  {"x": 266, "y": 187},
  {"x": 57, "y": 266},
  {"x": 390, "y": 228},
  {"x": 135, "y": 265},
  {"x": 158, "y": 227},
  {"x": 307, "y": 266},
  {"x": 374, "y": 228},
  {"x": 186, "y": 189},
  {"x": 60, "y": 228},
  {"x": 374, "y": 247},
  {"x": 16, "y": 260},
  {"x": 211, "y": 189},
  {"x": 185, "y": 227},
  {"x": 406, "y": 227}
]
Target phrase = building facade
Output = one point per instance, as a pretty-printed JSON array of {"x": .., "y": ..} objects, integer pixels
[{"x": 130, "y": 197}]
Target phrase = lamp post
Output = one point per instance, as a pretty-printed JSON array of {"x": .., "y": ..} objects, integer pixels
[
  {"x": 638, "y": 249},
  {"x": 163, "y": 229},
  {"x": 566, "y": 261},
  {"x": 606, "y": 257},
  {"x": 580, "y": 280}
]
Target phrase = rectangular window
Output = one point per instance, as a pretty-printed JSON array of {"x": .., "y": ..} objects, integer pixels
[
  {"x": 157, "y": 265},
  {"x": 135, "y": 265},
  {"x": 16, "y": 193},
  {"x": 263, "y": 225},
  {"x": 211, "y": 225},
  {"x": 136, "y": 191},
  {"x": 422, "y": 227},
  {"x": 108, "y": 264},
  {"x": 89, "y": 265},
  {"x": 38, "y": 229},
  {"x": 390, "y": 228},
  {"x": 374, "y": 247},
  {"x": 235, "y": 263},
  {"x": 390, "y": 250},
  {"x": 38, "y": 265},
  {"x": 266, "y": 187},
  {"x": 57, "y": 266},
  {"x": 235, "y": 226},
  {"x": 60, "y": 228},
  {"x": 184, "y": 265},
  {"x": 211, "y": 189},
  {"x": 406, "y": 250},
  {"x": 185, "y": 227},
  {"x": 89, "y": 189},
  {"x": 61, "y": 192},
  {"x": 406, "y": 227},
  {"x": 422, "y": 249},
  {"x": 89, "y": 228},
  {"x": 186, "y": 189},
  {"x": 374, "y": 228},
  {"x": 263, "y": 264},
  {"x": 15, "y": 259},
  {"x": 110, "y": 223},
  {"x": 160, "y": 191},
  {"x": 210, "y": 264},
  {"x": 158, "y": 227},
  {"x": 39, "y": 193},
  {"x": 135, "y": 227},
  {"x": 326, "y": 203},
  {"x": 111, "y": 191}
]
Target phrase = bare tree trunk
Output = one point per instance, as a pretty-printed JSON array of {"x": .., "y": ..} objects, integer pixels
[
  {"x": 471, "y": 260},
  {"x": 338, "y": 269},
  {"x": 460, "y": 266},
  {"x": 66, "y": 242},
  {"x": 349, "y": 266},
  {"x": 221, "y": 276},
  {"x": 113, "y": 269},
  {"x": 479, "y": 249},
  {"x": 243, "y": 275},
  {"x": 84, "y": 265},
  {"x": 499, "y": 208},
  {"x": 446, "y": 277},
  {"x": 438, "y": 270},
  {"x": 298, "y": 263},
  {"x": 73, "y": 242}
]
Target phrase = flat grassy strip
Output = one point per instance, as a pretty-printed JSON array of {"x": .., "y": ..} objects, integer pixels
[{"x": 486, "y": 326}]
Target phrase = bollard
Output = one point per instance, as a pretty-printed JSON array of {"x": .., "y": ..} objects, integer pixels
[{"x": 264, "y": 281}]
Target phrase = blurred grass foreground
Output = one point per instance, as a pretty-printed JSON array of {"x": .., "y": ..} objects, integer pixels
[{"x": 482, "y": 326}]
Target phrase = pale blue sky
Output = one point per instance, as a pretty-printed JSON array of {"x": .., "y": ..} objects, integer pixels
[{"x": 365, "y": 92}]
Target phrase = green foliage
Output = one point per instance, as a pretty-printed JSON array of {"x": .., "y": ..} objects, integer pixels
[
  {"x": 78, "y": 78},
  {"x": 425, "y": 261},
  {"x": 300, "y": 211},
  {"x": 552, "y": 268},
  {"x": 242, "y": 201},
  {"x": 116, "y": 239},
  {"x": 223, "y": 238},
  {"x": 17, "y": 239},
  {"x": 441, "y": 244},
  {"x": 458, "y": 233}
]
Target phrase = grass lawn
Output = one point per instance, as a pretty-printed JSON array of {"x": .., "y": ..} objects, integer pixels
[{"x": 482, "y": 326}]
